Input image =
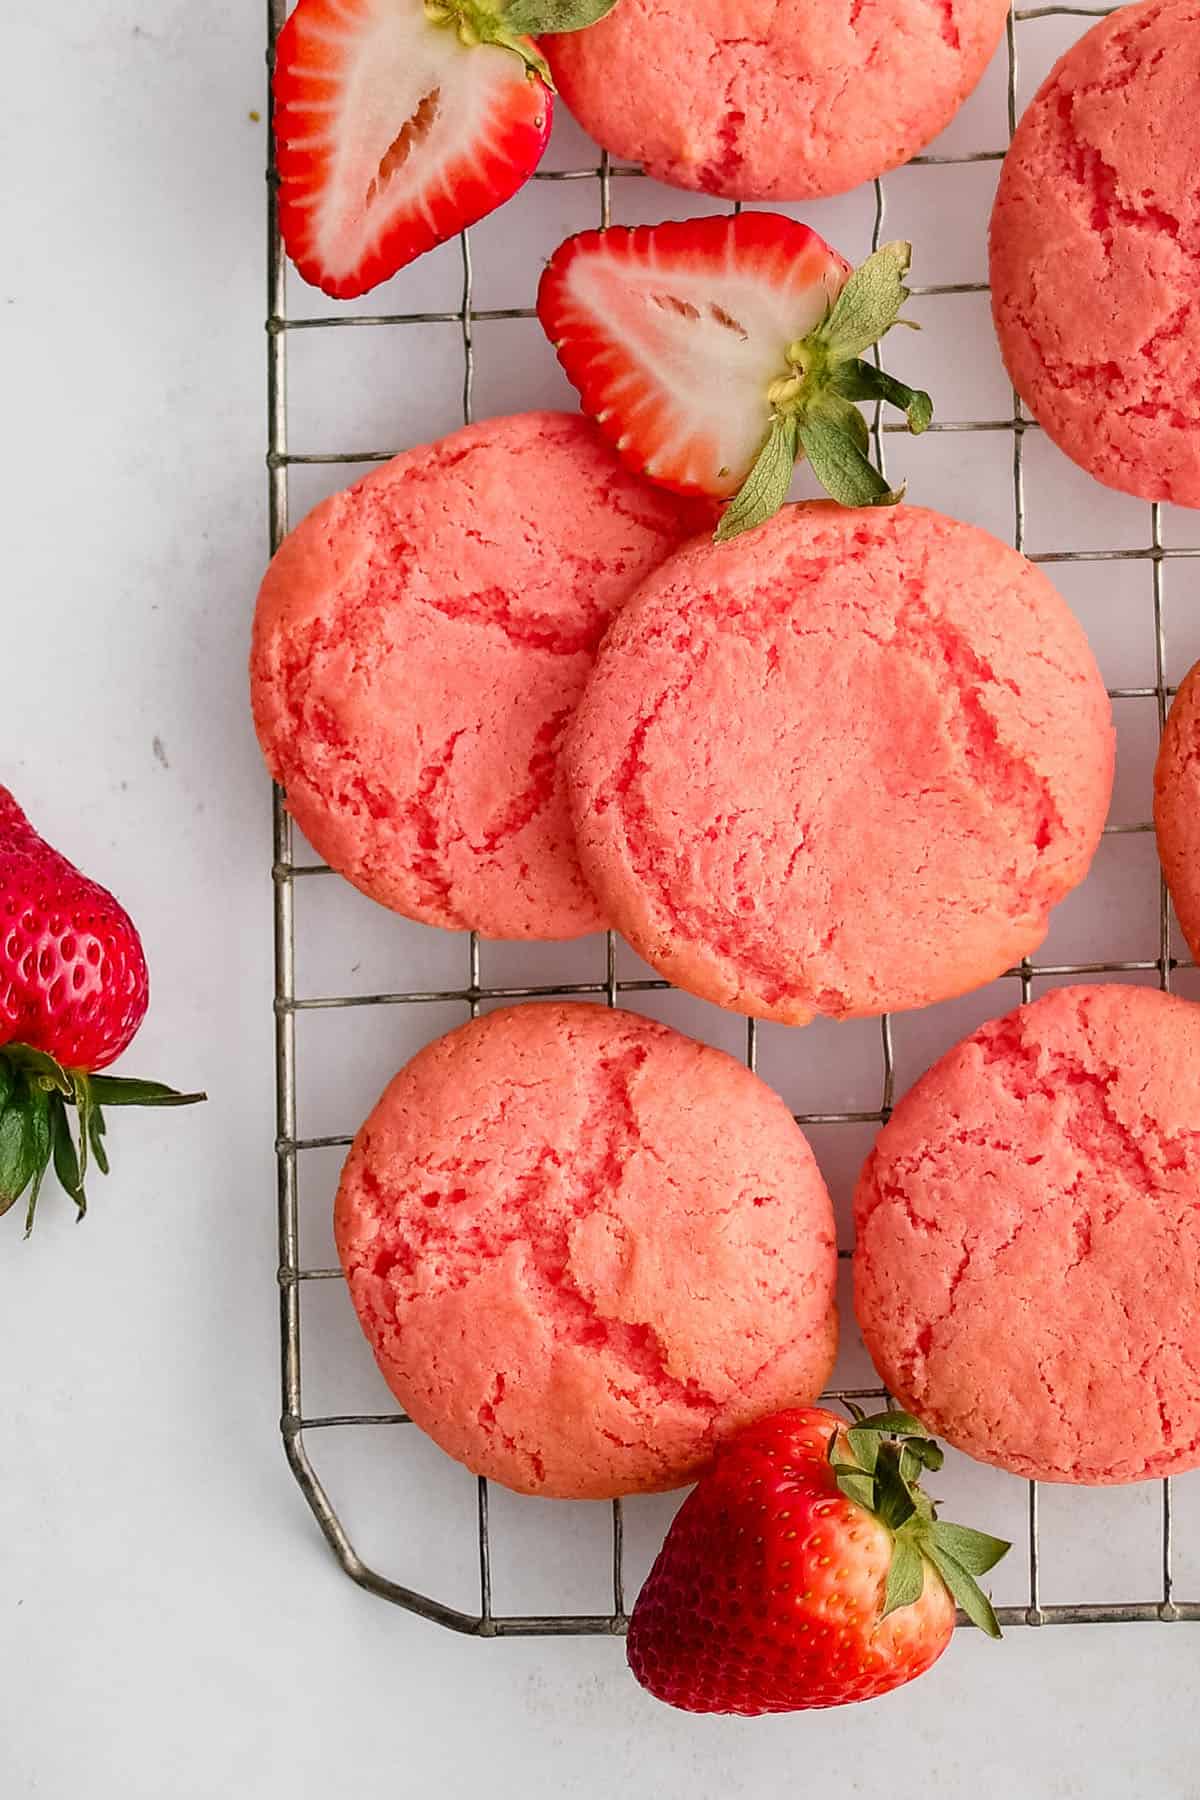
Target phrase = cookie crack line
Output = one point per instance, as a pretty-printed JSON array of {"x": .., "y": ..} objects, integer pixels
[
  {"x": 1137, "y": 1154},
  {"x": 1066, "y": 375},
  {"x": 612, "y": 1122},
  {"x": 619, "y": 791},
  {"x": 1098, "y": 182},
  {"x": 1002, "y": 1046},
  {"x": 540, "y": 785},
  {"x": 971, "y": 676},
  {"x": 913, "y": 1359},
  {"x": 492, "y": 608},
  {"x": 995, "y": 768},
  {"x": 545, "y": 1251}
]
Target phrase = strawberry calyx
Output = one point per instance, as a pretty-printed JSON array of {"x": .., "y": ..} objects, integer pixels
[
  {"x": 813, "y": 410},
  {"x": 37, "y": 1099},
  {"x": 511, "y": 24},
  {"x": 878, "y": 1463}
]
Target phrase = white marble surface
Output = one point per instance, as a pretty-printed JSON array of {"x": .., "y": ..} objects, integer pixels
[{"x": 171, "y": 1627}]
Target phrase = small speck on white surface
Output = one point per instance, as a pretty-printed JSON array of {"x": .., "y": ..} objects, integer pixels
[{"x": 171, "y": 1626}]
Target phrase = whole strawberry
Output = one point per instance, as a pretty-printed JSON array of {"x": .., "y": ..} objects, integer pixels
[
  {"x": 807, "y": 1569},
  {"x": 73, "y": 992}
]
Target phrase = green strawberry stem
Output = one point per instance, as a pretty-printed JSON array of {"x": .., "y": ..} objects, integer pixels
[
  {"x": 38, "y": 1097},
  {"x": 886, "y": 1456},
  {"x": 510, "y": 24},
  {"x": 812, "y": 400}
]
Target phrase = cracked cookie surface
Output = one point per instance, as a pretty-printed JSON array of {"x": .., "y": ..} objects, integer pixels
[
  {"x": 1095, "y": 252},
  {"x": 1177, "y": 807},
  {"x": 585, "y": 1248},
  {"x": 824, "y": 769},
  {"x": 420, "y": 642},
  {"x": 774, "y": 99},
  {"x": 1027, "y": 1265}
]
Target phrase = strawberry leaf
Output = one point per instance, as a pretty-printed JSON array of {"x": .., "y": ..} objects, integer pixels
[
  {"x": 891, "y": 1424},
  {"x": 842, "y": 468},
  {"x": 860, "y": 380},
  {"x": 856, "y": 1484},
  {"x": 533, "y": 17},
  {"x": 839, "y": 411},
  {"x": 974, "y": 1551},
  {"x": 37, "y": 1126},
  {"x": 34, "y": 1196},
  {"x": 918, "y": 1454},
  {"x": 47, "y": 1070},
  {"x": 906, "y": 1576},
  {"x": 66, "y": 1157},
  {"x": 16, "y": 1165},
  {"x": 869, "y": 304},
  {"x": 96, "y": 1129},
  {"x": 117, "y": 1090},
  {"x": 37, "y": 1097},
  {"x": 965, "y": 1589},
  {"x": 766, "y": 487},
  {"x": 894, "y": 1502},
  {"x": 929, "y": 1454},
  {"x": 84, "y": 1105},
  {"x": 24, "y": 1141},
  {"x": 865, "y": 1445}
]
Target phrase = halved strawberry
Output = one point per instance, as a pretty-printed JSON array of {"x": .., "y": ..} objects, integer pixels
[
  {"x": 713, "y": 352},
  {"x": 397, "y": 124}
]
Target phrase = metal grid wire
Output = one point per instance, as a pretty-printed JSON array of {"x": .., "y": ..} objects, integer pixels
[{"x": 289, "y": 1146}]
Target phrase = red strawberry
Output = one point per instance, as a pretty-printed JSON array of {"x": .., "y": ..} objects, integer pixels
[
  {"x": 713, "y": 352},
  {"x": 400, "y": 122},
  {"x": 73, "y": 992},
  {"x": 807, "y": 1569},
  {"x": 73, "y": 980}
]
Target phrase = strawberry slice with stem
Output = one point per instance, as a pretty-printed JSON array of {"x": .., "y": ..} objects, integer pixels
[
  {"x": 716, "y": 352},
  {"x": 398, "y": 123}
]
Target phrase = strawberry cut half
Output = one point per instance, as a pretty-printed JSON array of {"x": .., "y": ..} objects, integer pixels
[
  {"x": 714, "y": 352},
  {"x": 396, "y": 128}
]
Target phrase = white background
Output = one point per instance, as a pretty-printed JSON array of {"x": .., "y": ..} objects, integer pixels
[{"x": 171, "y": 1626}]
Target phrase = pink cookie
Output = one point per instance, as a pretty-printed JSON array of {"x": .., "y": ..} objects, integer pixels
[
  {"x": 774, "y": 99},
  {"x": 1096, "y": 252},
  {"x": 1177, "y": 807},
  {"x": 843, "y": 764},
  {"x": 1027, "y": 1272},
  {"x": 419, "y": 646},
  {"x": 585, "y": 1249}
]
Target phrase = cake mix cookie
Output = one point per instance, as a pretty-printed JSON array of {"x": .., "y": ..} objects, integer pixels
[
  {"x": 1027, "y": 1271},
  {"x": 774, "y": 99},
  {"x": 584, "y": 1249},
  {"x": 1177, "y": 807},
  {"x": 1095, "y": 252},
  {"x": 419, "y": 645},
  {"x": 843, "y": 764}
]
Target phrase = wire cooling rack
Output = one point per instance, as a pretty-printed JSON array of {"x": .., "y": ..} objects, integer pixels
[{"x": 297, "y": 1427}]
